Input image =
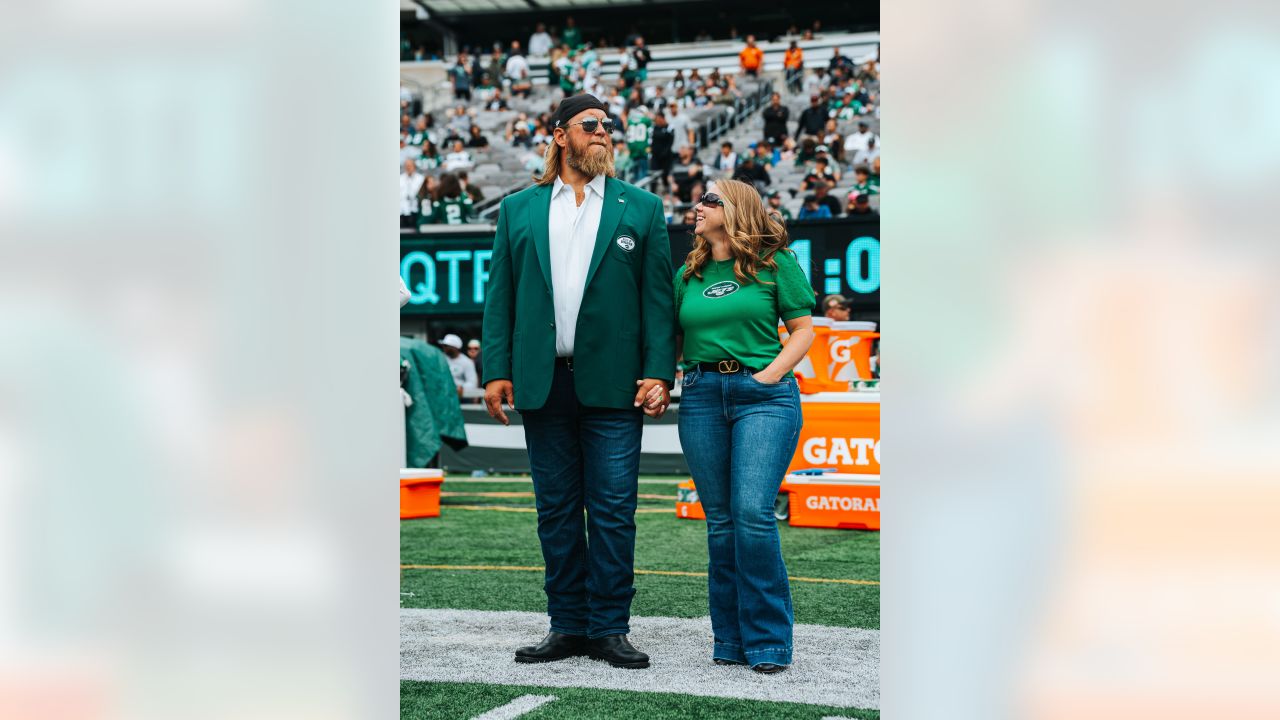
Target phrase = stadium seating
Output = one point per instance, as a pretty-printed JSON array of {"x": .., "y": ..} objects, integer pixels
[{"x": 500, "y": 169}]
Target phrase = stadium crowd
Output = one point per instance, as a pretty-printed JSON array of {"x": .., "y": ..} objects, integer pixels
[{"x": 812, "y": 151}]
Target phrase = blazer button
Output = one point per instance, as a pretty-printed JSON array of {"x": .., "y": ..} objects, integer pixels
[{"x": 552, "y": 324}]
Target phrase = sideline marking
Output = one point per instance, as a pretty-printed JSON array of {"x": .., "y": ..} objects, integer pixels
[
  {"x": 445, "y": 493},
  {"x": 673, "y": 573},
  {"x": 642, "y": 496},
  {"x": 831, "y": 666},
  {"x": 509, "y": 508},
  {"x": 513, "y": 479},
  {"x": 517, "y": 707}
]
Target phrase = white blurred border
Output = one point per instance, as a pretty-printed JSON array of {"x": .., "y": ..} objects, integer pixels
[
  {"x": 1080, "y": 296},
  {"x": 197, "y": 406}
]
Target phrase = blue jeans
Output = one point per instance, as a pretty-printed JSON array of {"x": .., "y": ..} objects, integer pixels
[
  {"x": 738, "y": 436},
  {"x": 585, "y": 458}
]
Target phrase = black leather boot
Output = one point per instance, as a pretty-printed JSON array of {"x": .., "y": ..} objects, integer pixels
[
  {"x": 617, "y": 651},
  {"x": 555, "y": 646}
]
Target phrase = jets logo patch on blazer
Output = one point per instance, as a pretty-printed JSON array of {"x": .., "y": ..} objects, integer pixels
[{"x": 626, "y": 324}]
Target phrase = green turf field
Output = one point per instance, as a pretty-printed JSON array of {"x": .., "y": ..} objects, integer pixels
[
  {"x": 835, "y": 582},
  {"x": 466, "y": 700}
]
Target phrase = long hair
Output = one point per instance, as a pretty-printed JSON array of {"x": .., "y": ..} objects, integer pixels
[
  {"x": 550, "y": 163},
  {"x": 449, "y": 187},
  {"x": 755, "y": 235},
  {"x": 428, "y": 189}
]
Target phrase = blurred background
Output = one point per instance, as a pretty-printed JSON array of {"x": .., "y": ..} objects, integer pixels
[
  {"x": 1081, "y": 430},
  {"x": 195, "y": 321}
]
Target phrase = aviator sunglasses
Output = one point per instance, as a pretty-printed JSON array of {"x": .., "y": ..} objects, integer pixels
[
  {"x": 589, "y": 125},
  {"x": 711, "y": 199}
]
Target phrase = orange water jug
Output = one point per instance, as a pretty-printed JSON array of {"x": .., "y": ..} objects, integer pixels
[{"x": 849, "y": 351}]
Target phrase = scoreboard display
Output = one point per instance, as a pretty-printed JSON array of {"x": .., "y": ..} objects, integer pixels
[{"x": 447, "y": 273}]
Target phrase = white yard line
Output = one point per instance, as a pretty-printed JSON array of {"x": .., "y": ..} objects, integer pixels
[
  {"x": 832, "y": 665},
  {"x": 517, "y": 707}
]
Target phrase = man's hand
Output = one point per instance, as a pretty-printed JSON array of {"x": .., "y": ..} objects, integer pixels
[
  {"x": 652, "y": 397},
  {"x": 497, "y": 392}
]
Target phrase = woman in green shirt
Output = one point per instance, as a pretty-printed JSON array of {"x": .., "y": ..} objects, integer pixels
[{"x": 740, "y": 411}]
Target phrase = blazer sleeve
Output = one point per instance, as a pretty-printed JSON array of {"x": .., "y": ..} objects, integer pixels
[
  {"x": 657, "y": 308},
  {"x": 499, "y": 306}
]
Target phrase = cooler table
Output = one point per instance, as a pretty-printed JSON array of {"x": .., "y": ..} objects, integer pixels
[
  {"x": 834, "y": 500},
  {"x": 420, "y": 492},
  {"x": 841, "y": 432}
]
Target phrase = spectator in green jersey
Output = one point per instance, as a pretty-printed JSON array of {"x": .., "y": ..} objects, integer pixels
[{"x": 452, "y": 206}]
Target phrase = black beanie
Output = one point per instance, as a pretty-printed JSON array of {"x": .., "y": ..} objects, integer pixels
[{"x": 573, "y": 105}]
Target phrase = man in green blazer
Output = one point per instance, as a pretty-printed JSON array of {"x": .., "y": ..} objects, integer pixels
[{"x": 578, "y": 327}]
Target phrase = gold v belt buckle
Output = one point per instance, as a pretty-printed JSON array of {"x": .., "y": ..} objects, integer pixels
[{"x": 728, "y": 366}]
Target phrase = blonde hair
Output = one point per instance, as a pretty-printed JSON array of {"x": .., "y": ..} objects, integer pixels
[
  {"x": 551, "y": 163},
  {"x": 755, "y": 235}
]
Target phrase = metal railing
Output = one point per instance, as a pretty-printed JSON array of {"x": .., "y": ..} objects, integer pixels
[
  {"x": 708, "y": 132},
  {"x": 721, "y": 123}
]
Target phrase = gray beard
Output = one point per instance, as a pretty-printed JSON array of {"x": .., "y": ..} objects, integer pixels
[{"x": 588, "y": 163}]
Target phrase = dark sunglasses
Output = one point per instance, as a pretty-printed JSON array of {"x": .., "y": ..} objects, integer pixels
[
  {"x": 710, "y": 199},
  {"x": 589, "y": 125}
]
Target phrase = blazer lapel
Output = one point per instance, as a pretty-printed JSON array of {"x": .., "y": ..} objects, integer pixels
[
  {"x": 539, "y": 219},
  {"x": 615, "y": 201}
]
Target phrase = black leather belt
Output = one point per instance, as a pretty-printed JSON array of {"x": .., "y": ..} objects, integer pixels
[
  {"x": 725, "y": 367},
  {"x": 566, "y": 362}
]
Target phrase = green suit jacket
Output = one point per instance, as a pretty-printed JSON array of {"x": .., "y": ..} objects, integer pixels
[{"x": 626, "y": 325}]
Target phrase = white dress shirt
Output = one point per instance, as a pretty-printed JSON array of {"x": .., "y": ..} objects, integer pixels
[{"x": 572, "y": 232}]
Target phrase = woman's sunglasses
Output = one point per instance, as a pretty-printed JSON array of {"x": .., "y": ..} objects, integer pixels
[
  {"x": 589, "y": 125},
  {"x": 710, "y": 199}
]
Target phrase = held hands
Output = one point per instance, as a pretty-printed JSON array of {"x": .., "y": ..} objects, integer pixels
[
  {"x": 652, "y": 397},
  {"x": 497, "y": 392}
]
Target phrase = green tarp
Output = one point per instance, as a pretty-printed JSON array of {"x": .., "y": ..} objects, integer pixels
[{"x": 435, "y": 418}]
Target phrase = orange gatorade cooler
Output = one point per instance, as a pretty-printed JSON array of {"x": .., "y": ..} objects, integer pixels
[
  {"x": 805, "y": 368},
  {"x": 420, "y": 492},
  {"x": 687, "y": 503},
  {"x": 834, "y": 501},
  {"x": 849, "y": 351},
  {"x": 841, "y": 431},
  {"x": 812, "y": 372}
]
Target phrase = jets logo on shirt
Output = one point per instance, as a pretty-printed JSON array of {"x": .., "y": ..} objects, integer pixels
[
  {"x": 626, "y": 243},
  {"x": 720, "y": 289}
]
